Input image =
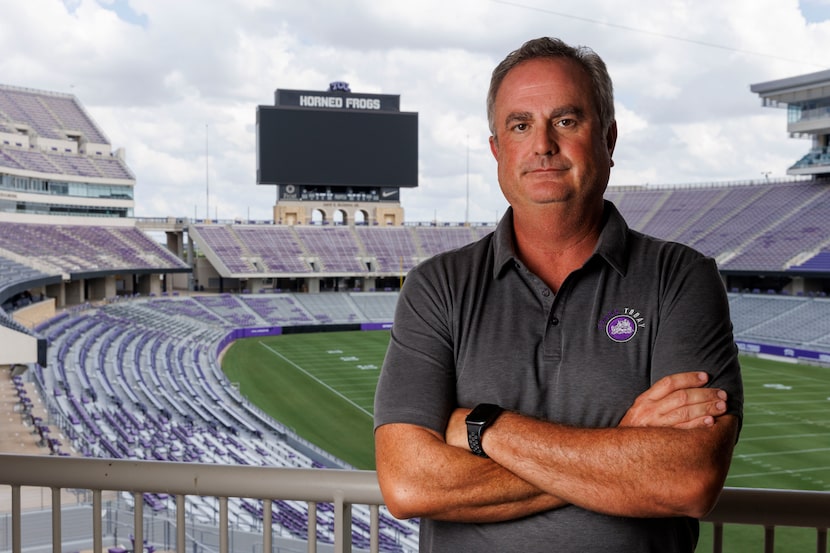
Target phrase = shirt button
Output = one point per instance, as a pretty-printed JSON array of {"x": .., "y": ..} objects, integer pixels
[
  {"x": 554, "y": 321},
  {"x": 546, "y": 292}
]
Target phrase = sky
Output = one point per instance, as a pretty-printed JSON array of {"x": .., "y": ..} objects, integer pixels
[{"x": 176, "y": 84}]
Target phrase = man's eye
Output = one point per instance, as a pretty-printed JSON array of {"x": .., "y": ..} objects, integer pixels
[
  {"x": 520, "y": 127},
  {"x": 565, "y": 123}
]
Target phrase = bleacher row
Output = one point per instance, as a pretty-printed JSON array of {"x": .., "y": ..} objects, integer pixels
[
  {"x": 37, "y": 255},
  {"x": 782, "y": 227},
  {"x": 53, "y": 250},
  {"x": 58, "y": 117},
  {"x": 47, "y": 112},
  {"x": 273, "y": 249},
  {"x": 63, "y": 163},
  {"x": 14, "y": 278},
  {"x": 36, "y": 422},
  {"x": 758, "y": 227},
  {"x": 139, "y": 379},
  {"x": 782, "y": 320}
]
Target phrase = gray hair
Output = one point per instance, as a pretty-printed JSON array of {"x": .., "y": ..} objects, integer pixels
[{"x": 546, "y": 47}]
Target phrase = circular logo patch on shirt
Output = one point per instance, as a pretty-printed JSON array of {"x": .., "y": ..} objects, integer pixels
[{"x": 621, "y": 328}]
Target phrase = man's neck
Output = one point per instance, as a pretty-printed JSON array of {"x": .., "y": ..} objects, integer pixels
[{"x": 556, "y": 241}]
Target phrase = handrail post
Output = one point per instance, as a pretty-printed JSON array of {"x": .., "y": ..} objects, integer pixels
[
  {"x": 312, "y": 527},
  {"x": 17, "y": 532},
  {"x": 97, "y": 522},
  {"x": 374, "y": 529},
  {"x": 56, "y": 520},
  {"x": 138, "y": 522},
  {"x": 224, "y": 542},
  {"x": 267, "y": 530},
  {"x": 180, "y": 523},
  {"x": 342, "y": 524},
  {"x": 769, "y": 539},
  {"x": 717, "y": 537}
]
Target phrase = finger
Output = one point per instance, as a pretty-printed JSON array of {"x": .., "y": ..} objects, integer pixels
[
  {"x": 688, "y": 397},
  {"x": 702, "y": 422},
  {"x": 678, "y": 381},
  {"x": 695, "y": 414}
]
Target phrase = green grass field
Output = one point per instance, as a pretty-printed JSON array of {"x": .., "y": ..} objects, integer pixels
[
  {"x": 784, "y": 444},
  {"x": 322, "y": 385}
]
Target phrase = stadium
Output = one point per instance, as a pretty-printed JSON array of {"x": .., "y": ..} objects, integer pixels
[{"x": 113, "y": 342}]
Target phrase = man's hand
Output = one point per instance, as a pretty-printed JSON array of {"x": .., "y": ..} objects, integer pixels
[{"x": 677, "y": 401}]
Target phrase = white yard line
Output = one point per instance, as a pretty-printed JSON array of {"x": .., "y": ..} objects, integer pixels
[
  {"x": 794, "y": 472},
  {"x": 308, "y": 374},
  {"x": 780, "y": 453}
]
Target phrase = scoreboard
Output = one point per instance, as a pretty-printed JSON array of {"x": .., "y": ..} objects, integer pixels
[{"x": 334, "y": 140}]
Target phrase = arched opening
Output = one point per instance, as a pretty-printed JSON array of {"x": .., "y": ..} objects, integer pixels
[{"x": 341, "y": 217}]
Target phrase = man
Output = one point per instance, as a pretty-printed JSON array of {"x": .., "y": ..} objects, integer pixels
[{"x": 598, "y": 363}]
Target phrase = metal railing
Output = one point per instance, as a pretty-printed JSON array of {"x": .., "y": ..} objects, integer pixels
[
  {"x": 771, "y": 509},
  {"x": 342, "y": 488}
]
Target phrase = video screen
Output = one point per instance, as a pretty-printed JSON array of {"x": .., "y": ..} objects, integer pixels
[{"x": 336, "y": 148}]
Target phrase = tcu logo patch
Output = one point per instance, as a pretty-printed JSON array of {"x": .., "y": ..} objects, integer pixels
[{"x": 622, "y": 326}]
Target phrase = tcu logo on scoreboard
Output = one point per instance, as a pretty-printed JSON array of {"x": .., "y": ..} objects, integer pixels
[{"x": 339, "y": 86}]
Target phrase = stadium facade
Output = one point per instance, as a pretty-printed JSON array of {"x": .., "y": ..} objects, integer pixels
[
  {"x": 807, "y": 101},
  {"x": 67, "y": 204}
]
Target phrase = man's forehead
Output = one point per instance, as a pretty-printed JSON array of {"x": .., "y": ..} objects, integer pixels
[
  {"x": 544, "y": 78},
  {"x": 545, "y": 73}
]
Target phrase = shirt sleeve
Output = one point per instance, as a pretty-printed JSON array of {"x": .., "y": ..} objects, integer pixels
[
  {"x": 417, "y": 380},
  {"x": 695, "y": 330}
]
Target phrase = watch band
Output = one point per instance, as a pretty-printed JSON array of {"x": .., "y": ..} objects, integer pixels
[{"x": 484, "y": 415}]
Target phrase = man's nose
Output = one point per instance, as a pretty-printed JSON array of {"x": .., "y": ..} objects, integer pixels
[{"x": 546, "y": 141}]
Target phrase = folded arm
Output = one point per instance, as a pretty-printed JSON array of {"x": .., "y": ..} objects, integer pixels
[
  {"x": 624, "y": 471},
  {"x": 424, "y": 474},
  {"x": 421, "y": 476}
]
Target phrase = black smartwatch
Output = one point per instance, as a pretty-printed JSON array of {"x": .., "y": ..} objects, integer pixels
[{"x": 480, "y": 418}]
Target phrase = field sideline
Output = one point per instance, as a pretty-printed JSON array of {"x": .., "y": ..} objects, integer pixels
[{"x": 322, "y": 385}]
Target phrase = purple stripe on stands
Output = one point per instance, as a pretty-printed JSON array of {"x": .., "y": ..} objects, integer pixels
[
  {"x": 783, "y": 351},
  {"x": 376, "y": 326}
]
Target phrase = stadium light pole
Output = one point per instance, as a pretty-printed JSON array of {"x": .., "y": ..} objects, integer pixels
[
  {"x": 467, "y": 206},
  {"x": 207, "y": 176}
]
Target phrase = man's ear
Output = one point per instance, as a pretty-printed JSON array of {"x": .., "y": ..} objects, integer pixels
[
  {"x": 611, "y": 141},
  {"x": 494, "y": 146}
]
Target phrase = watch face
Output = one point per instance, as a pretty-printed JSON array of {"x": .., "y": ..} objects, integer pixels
[{"x": 484, "y": 414}]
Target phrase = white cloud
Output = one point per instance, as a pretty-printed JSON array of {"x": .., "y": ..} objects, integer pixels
[{"x": 682, "y": 71}]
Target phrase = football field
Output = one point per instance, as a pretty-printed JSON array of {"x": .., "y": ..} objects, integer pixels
[
  {"x": 785, "y": 441},
  {"x": 322, "y": 385}
]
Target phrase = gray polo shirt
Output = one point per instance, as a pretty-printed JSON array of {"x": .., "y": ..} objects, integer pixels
[{"x": 475, "y": 325}]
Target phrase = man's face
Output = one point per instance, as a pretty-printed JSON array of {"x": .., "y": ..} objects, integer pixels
[{"x": 549, "y": 144}]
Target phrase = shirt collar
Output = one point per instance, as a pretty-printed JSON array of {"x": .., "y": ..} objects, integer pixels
[
  {"x": 611, "y": 245},
  {"x": 613, "y": 240},
  {"x": 503, "y": 243}
]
